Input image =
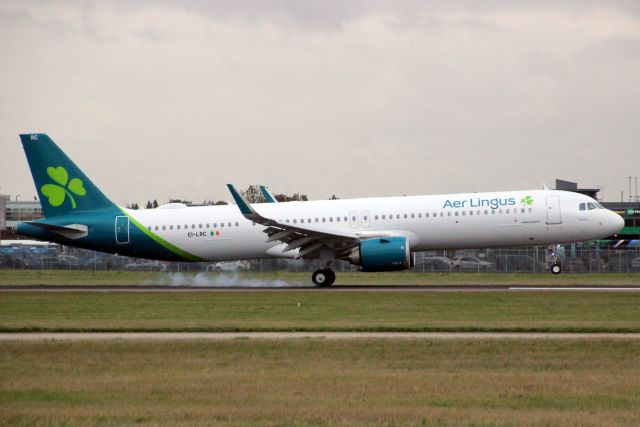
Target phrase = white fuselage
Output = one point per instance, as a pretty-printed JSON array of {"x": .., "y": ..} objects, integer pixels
[{"x": 471, "y": 220}]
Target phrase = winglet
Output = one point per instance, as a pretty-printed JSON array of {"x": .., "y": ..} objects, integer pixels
[
  {"x": 268, "y": 197},
  {"x": 242, "y": 203}
]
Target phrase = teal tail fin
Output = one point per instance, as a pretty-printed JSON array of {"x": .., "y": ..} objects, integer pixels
[{"x": 62, "y": 187}]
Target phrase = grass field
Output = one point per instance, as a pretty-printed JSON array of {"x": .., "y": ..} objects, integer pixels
[
  {"x": 320, "y": 311},
  {"x": 68, "y": 277},
  {"x": 319, "y": 382}
]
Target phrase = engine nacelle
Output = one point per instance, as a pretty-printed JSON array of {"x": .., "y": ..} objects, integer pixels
[{"x": 382, "y": 254}]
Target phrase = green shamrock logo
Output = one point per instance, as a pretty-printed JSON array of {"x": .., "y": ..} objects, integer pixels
[
  {"x": 527, "y": 200},
  {"x": 57, "y": 193}
]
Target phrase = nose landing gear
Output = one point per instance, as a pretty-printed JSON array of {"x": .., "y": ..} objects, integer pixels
[
  {"x": 323, "y": 277},
  {"x": 556, "y": 269}
]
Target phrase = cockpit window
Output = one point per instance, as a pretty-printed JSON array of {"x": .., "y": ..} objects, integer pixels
[
  {"x": 599, "y": 206},
  {"x": 592, "y": 206},
  {"x": 582, "y": 206}
]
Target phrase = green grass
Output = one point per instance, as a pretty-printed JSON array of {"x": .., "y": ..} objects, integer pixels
[
  {"x": 320, "y": 311},
  {"x": 66, "y": 277},
  {"x": 320, "y": 382}
]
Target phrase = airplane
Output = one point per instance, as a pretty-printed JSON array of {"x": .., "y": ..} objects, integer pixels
[{"x": 377, "y": 234}]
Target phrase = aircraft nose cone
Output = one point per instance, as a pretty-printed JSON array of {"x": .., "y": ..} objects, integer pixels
[{"x": 616, "y": 222}]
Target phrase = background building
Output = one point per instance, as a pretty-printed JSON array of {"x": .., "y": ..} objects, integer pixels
[{"x": 14, "y": 211}]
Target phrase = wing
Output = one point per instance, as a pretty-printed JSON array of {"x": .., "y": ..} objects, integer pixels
[{"x": 312, "y": 242}]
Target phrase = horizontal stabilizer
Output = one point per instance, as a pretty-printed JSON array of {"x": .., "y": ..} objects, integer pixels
[{"x": 71, "y": 231}]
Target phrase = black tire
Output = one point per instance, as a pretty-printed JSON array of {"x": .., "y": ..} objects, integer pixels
[
  {"x": 331, "y": 277},
  {"x": 324, "y": 277},
  {"x": 556, "y": 269}
]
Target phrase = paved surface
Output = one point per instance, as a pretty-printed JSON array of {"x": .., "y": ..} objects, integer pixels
[
  {"x": 306, "y": 288},
  {"x": 216, "y": 336}
]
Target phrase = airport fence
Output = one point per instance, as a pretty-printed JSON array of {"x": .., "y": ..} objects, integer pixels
[{"x": 573, "y": 258}]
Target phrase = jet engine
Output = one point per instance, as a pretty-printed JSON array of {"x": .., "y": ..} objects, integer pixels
[{"x": 382, "y": 254}]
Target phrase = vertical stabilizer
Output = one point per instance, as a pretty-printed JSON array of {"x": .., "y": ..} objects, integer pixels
[{"x": 62, "y": 187}]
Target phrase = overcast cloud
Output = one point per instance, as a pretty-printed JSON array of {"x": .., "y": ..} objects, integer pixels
[{"x": 175, "y": 99}]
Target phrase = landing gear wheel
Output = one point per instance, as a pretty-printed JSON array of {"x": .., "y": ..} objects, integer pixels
[
  {"x": 556, "y": 269},
  {"x": 331, "y": 276},
  {"x": 324, "y": 277}
]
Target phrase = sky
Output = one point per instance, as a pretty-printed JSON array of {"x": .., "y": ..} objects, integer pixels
[{"x": 174, "y": 99}]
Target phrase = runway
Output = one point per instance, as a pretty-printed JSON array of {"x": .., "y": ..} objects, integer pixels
[
  {"x": 219, "y": 336},
  {"x": 308, "y": 288}
]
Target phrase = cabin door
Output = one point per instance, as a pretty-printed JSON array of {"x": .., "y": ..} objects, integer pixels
[
  {"x": 122, "y": 230},
  {"x": 553, "y": 210}
]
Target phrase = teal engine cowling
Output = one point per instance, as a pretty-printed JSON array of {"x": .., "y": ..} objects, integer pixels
[{"x": 382, "y": 254}]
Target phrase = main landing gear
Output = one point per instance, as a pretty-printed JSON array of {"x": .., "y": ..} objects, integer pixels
[{"x": 324, "y": 277}]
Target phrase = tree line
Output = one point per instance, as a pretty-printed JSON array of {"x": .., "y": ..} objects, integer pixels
[{"x": 251, "y": 193}]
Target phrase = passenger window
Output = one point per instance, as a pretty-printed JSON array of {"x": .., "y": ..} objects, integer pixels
[
  {"x": 149, "y": 227},
  {"x": 365, "y": 218},
  {"x": 324, "y": 220},
  {"x": 413, "y": 215},
  {"x": 500, "y": 211},
  {"x": 215, "y": 225},
  {"x": 353, "y": 218},
  {"x": 426, "y": 215},
  {"x": 229, "y": 224},
  {"x": 470, "y": 212},
  {"x": 331, "y": 218},
  {"x": 456, "y": 213},
  {"x": 178, "y": 227},
  {"x": 295, "y": 221},
  {"x": 221, "y": 224},
  {"x": 449, "y": 213},
  {"x": 164, "y": 228},
  {"x": 384, "y": 217},
  {"x": 486, "y": 212},
  {"x": 479, "y": 211},
  {"x": 522, "y": 210},
  {"x": 376, "y": 217},
  {"x": 507, "y": 211},
  {"x": 346, "y": 219},
  {"x": 171, "y": 227},
  {"x": 337, "y": 219},
  {"x": 464, "y": 213},
  {"x": 186, "y": 226},
  {"x": 405, "y": 216},
  {"x": 419, "y": 214},
  {"x": 316, "y": 219},
  {"x": 199, "y": 225},
  {"x": 156, "y": 228},
  {"x": 237, "y": 224},
  {"x": 441, "y": 214},
  {"x": 193, "y": 226},
  {"x": 530, "y": 209}
]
